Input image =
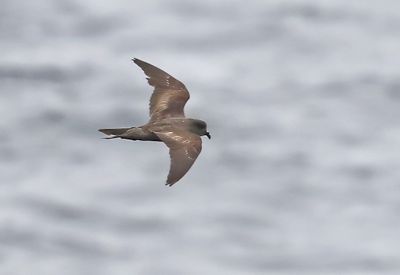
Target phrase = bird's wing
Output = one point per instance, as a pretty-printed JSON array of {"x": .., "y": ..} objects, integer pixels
[
  {"x": 169, "y": 96},
  {"x": 184, "y": 148}
]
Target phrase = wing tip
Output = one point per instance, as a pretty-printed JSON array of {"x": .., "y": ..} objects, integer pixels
[
  {"x": 169, "y": 183},
  {"x": 135, "y": 60}
]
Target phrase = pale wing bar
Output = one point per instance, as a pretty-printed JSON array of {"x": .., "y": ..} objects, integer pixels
[
  {"x": 169, "y": 96},
  {"x": 157, "y": 77},
  {"x": 184, "y": 148}
]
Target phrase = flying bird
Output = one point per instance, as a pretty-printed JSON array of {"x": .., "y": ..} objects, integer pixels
[{"x": 167, "y": 122}]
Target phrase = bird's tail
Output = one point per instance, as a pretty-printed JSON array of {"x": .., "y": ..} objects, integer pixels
[{"x": 114, "y": 133}]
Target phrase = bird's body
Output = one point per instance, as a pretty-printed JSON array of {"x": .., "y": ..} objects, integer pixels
[
  {"x": 147, "y": 131},
  {"x": 167, "y": 122}
]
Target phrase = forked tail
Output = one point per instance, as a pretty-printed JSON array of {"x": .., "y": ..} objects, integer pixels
[
  {"x": 133, "y": 133},
  {"x": 114, "y": 133}
]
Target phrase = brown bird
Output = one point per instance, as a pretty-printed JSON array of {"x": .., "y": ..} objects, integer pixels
[{"x": 167, "y": 122}]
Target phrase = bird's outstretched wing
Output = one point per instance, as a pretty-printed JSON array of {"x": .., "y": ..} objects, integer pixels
[
  {"x": 184, "y": 148},
  {"x": 169, "y": 96}
]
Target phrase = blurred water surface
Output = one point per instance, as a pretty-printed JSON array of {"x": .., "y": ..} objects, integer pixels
[{"x": 302, "y": 173}]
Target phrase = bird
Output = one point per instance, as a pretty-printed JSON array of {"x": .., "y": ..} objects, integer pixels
[{"x": 167, "y": 122}]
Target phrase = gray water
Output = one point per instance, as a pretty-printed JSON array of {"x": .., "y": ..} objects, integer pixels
[{"x": 302, "y": 175}]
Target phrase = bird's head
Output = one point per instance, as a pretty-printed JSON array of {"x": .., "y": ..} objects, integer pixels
[{"x": 199, "y": 127}]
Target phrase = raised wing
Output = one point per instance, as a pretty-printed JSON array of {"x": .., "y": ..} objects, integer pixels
[
  {"x": 169, "y": 96},
  {"x": 184, "y": 148}
]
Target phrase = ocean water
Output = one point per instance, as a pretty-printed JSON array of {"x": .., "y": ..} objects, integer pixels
[{"x": 301, "y": 176}]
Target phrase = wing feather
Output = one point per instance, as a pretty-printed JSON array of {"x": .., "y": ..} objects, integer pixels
[
  {"x": 169, "y": 96},
  {"x": 184, "y": 148}
]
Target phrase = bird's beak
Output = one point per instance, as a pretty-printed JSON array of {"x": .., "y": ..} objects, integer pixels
[{"x": 208, "y": 135}]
